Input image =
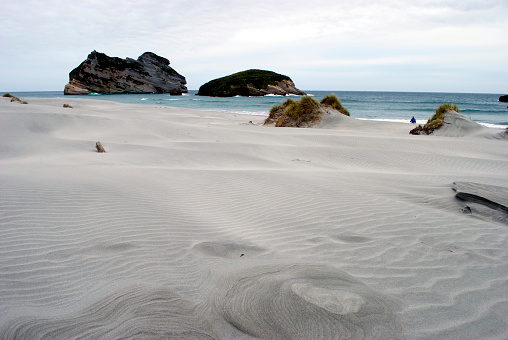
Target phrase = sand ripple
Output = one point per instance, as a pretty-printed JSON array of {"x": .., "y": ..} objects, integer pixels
[
  {"x": 305, "y": 302},
  {"x": 267, "y": 302},
  {"x": 133, "y": 313},
  {"x": 196, "y": 226},
  {"x": 226, "y": 250}
]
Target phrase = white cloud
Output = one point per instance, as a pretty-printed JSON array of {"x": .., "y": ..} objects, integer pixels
[{"x": 207, "y": 39}]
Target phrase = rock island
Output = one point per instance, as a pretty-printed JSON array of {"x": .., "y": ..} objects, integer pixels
[
  {"x": 250, "y": 83},
  {"x": 102, "y": 74}
]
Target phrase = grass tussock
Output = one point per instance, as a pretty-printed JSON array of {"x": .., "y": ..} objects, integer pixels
[
  {"x": 305, "y": 112},
  {"x": 436, "y": 121},
  {"x": 333, "y": 101},
  {"x": 14, "y": 98},
  {"x": 295, "y": 113}
]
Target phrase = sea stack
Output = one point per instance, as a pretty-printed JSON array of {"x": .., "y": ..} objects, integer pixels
[
  {"x": 103, "y": 74},
  {"x": 250, "y": 83}
]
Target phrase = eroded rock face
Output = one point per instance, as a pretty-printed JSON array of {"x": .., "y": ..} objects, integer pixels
[
  {"x": 102, "y": 74},
  {"x": 250, "y": 83}
]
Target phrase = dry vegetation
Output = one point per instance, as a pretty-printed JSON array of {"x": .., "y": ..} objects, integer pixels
[
  {"x": 436, "y": 121},
  {"x": 305, "y": 112},
  {"x": 333, "y": 101},
  {"x": 14, "y": 98}
]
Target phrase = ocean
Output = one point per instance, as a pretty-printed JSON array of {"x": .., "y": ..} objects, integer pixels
[{"x": 384, "y": 106}]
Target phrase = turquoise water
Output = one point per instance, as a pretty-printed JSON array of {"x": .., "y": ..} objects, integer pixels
[{"x": 390, "y": 106}]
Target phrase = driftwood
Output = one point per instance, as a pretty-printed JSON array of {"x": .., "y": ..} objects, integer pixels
[
  {"x": 99, "y": 147},
  {"x": 418, "y": 131}
]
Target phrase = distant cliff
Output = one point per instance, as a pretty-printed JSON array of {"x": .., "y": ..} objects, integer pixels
[
  {"x": 102, "y": 74},
  {"x": 250, "y": 83}
]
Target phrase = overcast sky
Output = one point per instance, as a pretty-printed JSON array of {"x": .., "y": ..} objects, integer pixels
[{"x": 341, "y": 45}]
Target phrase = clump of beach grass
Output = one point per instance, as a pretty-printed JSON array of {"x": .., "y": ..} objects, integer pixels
[
  {"x": 14, "y": 98},
  {"x": 295, "y": 113},
  {"x": 436, "y": 121},
  {"x": 305, "y": 112},
  {"x": 333, "y": 101}
]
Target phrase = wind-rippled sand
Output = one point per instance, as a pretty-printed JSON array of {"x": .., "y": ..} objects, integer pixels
[{"x": 201, "y": 225}]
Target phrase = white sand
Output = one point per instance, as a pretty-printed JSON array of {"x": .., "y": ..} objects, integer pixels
[{"x": 198, "y": 225}]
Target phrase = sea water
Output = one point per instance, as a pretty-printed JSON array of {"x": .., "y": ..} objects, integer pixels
[{"x": 387, "y": 106}]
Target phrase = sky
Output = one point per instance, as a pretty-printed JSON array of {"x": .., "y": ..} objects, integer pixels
[{"x": 340, "y": 45}]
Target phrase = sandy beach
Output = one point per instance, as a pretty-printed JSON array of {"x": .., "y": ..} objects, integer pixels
[{"x": 207, "y": 225}]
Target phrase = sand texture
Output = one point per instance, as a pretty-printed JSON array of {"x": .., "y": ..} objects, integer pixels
[{"x": 202, "y": 225}]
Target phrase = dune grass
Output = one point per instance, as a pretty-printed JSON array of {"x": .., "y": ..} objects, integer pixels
[
  {"x": 436, "y": 121},
  {"x": 14, "y": 98},
  {"x": 295, "y": 113},
  {"x": 334, "y": 102},
  {"x": 305, "y": 112}
]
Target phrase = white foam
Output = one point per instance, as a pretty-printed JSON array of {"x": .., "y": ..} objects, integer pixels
[
  {"x": 494, "y": 126},
  {"x": 393, "y": 120},
  {"x": 251, "y": 113}
]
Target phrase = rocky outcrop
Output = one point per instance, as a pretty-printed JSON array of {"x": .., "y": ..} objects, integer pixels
[
  {"x": 504, "y": 99},
  {"x": 102, "y": 74},
  {"x": 250, "y": 83}
]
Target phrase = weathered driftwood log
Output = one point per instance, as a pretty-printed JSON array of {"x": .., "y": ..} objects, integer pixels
[{"x": 99, "y": 147}]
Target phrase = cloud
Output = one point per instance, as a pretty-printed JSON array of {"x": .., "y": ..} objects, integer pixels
[{"x": 207, "y": 39}]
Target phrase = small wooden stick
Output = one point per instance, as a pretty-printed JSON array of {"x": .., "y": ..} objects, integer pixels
[{"x": 99, "y": 147}]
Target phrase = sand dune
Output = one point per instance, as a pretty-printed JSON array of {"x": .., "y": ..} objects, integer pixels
[{"x": 199, "y": 225}]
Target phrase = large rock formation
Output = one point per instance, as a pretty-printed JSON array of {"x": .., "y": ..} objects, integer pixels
[
  {"x": 250, "y": 83},
  {"x": 102, "y": 74},
  {"x": 504, "y": 99}
]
